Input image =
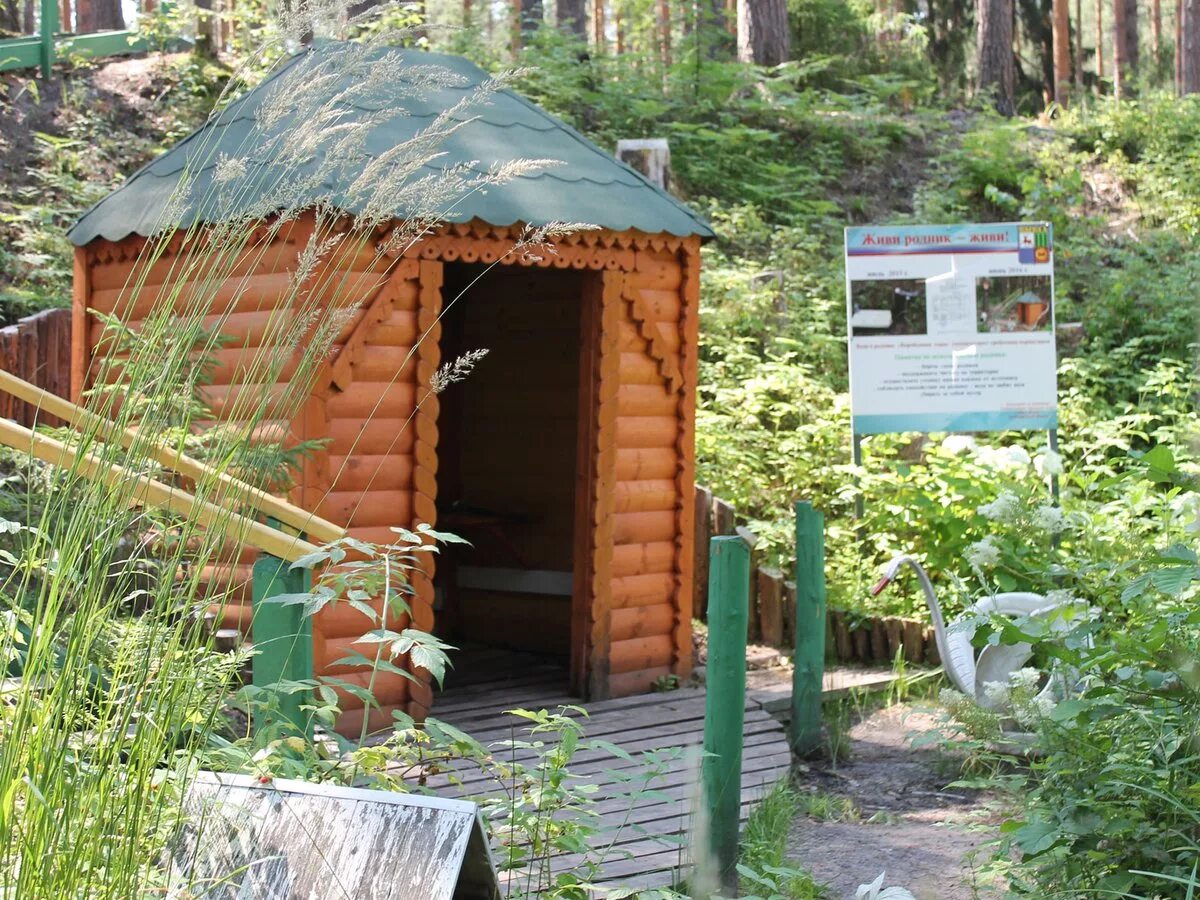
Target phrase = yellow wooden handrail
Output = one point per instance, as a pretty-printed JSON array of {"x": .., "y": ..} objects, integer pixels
[
  {"x": 151, "y": 492},
  {"x": 321, "y": 530}
]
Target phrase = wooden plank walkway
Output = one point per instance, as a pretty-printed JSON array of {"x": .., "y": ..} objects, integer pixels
[{"x": 647, "y": 836}]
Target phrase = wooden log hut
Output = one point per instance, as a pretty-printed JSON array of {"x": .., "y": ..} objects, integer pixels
[{"x": 566, "y": 458}]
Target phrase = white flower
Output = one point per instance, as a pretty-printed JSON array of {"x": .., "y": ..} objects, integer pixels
[
  {"x": 996, "y": 694},
  {"x": 958, "y": 444},
  {"x": 1006, "y": 459},
  {"x": 1049, "y": 519},
  {"x": 1025, "y": 679},
  {"x": 1044, "y": 704},
  {"x": 1003, "y": 509},
  {"x": 950, "y": 698},
  {"x": 983, "y": 554},
  {"x": 1048, "y": 463}
]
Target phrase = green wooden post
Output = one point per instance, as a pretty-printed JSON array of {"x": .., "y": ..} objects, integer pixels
[
  {"x": 282, "y": 634},
  {"x": 49, "y": 27},
  {"x": 809, "y": 671},
  {"x": 725, "y": 700}
]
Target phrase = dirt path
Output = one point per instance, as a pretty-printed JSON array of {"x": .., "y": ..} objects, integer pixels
[{"x": 901, "y": 816}]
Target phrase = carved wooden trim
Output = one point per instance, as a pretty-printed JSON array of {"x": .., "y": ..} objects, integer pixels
[
  {"x": 338, "y": 370},
  {"x": 648, "y": 329}
]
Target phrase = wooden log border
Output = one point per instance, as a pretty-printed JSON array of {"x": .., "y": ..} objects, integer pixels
[{"x": 852, "y": 638}]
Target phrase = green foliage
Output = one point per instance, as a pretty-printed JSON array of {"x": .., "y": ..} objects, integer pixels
[
  {"x": 1111, "y": 805},
  {"x": 765, "y": 872}
]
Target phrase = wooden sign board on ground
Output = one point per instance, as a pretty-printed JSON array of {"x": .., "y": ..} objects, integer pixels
[{"x": 290, "y": 839}]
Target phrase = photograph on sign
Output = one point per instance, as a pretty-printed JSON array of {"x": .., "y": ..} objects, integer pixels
[{"x": 951, "y": 327}]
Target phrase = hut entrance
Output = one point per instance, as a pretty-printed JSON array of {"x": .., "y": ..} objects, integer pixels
[{"x": 508, "y": 444}]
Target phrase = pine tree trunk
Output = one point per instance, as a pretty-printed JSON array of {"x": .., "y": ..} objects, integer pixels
[
  {"x": 994, "y": 44},
  {"x": 619, "y": 24},
  {"x": 664, "y": 33},
  {"x": 762, "y": 31},
  {"x": 571, "y": 18},
  {"x": 1189, "y": 55},
  {"x": 1062, "y": 52},
  {"x": 599, "y": 37},
  {"x": 1078, "y": 44},
  {"x": 1179, "y": 47},
  {"x": 1099, "y": 39},
  {"x": 1125, "y": 48},
  {"x": 529, "y": 15},
  {"x": 1156, "y": 32}
]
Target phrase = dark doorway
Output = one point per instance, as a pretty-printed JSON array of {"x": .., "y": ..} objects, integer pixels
[{"x": 508, "y": 450}]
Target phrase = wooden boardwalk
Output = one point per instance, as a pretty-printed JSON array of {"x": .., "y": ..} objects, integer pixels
[{"x": 649, "y": 835}]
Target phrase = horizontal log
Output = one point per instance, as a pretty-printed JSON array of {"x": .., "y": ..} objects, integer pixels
[
  {"x": 644, "y": 527},
  {"x": 637, "y": 654},
  {"x": 646, "y": 400},
  {"x": 389, "y": 689},
  {"x": 244, "y": 402},
  {"x": 379, "y": 472},
  {"x": 376, "y": 436},
  {"x": 645, "y": 496},
  {"x": 252, "y": 365},
  {"x": 341, "y": 620},
  {"x": 630, "y": 683},
  {"x": 642, "y": 621},
  {"x": 647, "y": 464},
  {"x": 643, "y": 590},
  {"x": 639, "y": 368},
  {"x": 641, "y": 432},
  {"x": 383, "y": 364},
  {"x": 248, "y": 293},
  {"x": 377, "y": 534},
  {"x": 372, "y": 400},
  {"x": 643, "y": 559},
  {"x": 400, "y": 329},
  {"x": 379, "y": 721},
  {"x": 370, "y": 510},
  {"x": 248, "y": 329}
]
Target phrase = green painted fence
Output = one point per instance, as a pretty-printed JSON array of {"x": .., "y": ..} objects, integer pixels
[{"x": 49, "y": 44}]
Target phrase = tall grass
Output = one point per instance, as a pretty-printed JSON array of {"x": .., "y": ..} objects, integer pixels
[{"x": 106, "y": 712}]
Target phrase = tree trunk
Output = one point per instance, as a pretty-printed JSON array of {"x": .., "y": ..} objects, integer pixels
[
  {"x": 100, "y": 15},
  {"x": 1099, "y": 39},
  {"x": 1189, "y": 56},
  {"x": 1078, "y": 44},
  {"x": 1179, "y": 47},
  {"x": 994, "y": 40},
  {"x": 1156, "y": 33},
  {"x": 619, "y": 25},
  {"x": 1125, "y": 48},
  {"x": 529, "y": 15},
  {"x": 599, "y": 36},
  {"x": 1062, "y": 52},
  {"x": 664, "y": 33},
  {"x": 762, "y": 30},
  {"x": 571, "y": 18},
  {"x": 468, "y": 8}
]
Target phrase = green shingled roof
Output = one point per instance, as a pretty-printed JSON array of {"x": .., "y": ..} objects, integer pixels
[{"x": 590, "y": 186}]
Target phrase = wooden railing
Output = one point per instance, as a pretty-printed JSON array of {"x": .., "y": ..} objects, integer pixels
[{"x": 68, "y": 28}]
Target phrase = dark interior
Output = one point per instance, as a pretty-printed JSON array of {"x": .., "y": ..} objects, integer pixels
[{"x": 507, "y": 449}]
